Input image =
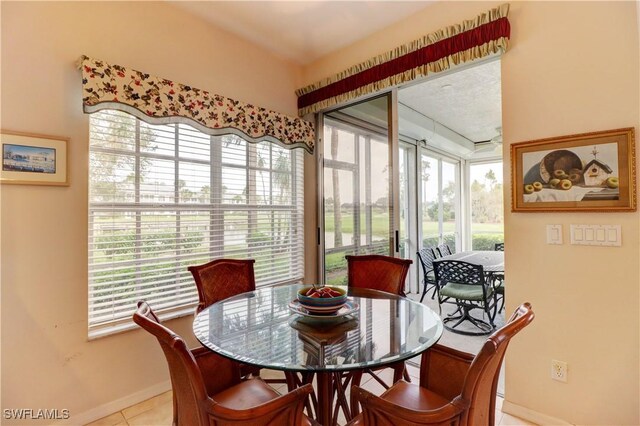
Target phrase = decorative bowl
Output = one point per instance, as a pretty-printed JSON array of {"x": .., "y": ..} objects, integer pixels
[{"x": 322, "y": 300}]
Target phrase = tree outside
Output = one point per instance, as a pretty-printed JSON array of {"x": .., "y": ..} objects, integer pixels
[{"x": 487, "y": 206}]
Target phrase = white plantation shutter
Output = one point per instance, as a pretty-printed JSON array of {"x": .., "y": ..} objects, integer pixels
[{"x": 164, "y": 197}]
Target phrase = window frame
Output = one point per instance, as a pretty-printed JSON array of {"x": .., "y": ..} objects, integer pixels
[{"x": 215, "y": 207}]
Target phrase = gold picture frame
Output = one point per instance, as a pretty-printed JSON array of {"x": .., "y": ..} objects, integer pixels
[
  {"x": 584, "y": 172},
  {"x": 33, "y": 159}
]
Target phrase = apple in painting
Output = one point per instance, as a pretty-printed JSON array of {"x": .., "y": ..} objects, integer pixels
[
  {"x": 565, "y": 184},
  {"x": 528, "y": 189},
  {"x": 537, "y": 186},
  {"x": 612, "y": 182},
  {"x": 554, "y": 183}
]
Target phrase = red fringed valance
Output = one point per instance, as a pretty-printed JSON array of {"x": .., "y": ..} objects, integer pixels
[{"x": 484, "y": 36}]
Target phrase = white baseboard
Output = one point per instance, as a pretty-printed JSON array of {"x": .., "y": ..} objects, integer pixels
[
  {"x": 117, "y": 405},
  {"x": 530, "y": 415}
]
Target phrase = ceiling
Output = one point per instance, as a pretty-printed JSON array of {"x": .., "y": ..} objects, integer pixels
[
  {"x": 463, "y": 107},
  {"x": 467, "y": 101},
  {"x": 302, "y": 31}
]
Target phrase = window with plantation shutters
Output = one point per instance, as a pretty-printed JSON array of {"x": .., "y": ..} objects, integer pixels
[{"x": 164, "y": 197}]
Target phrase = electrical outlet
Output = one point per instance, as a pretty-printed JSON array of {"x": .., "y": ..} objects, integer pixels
[{"x": 559, "y": 370}]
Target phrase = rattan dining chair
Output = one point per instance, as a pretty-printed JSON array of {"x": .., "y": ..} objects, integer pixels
[
  {"x": 455, "y": 387},
  {"x": 208, "y": 389},
  {"x": 383, "y": 273},
  {"x": 223, "y": 278}
]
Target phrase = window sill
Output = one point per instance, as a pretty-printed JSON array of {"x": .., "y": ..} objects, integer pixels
[{"x": 126, "y": 325}]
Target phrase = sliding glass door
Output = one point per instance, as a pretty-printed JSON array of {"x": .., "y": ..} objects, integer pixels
[
  {"x": 359, "y": 214},
  {"x": 356, "y": 185},
  {"x": 408, "y": 210},
  {"x": 439, "y": 202}
]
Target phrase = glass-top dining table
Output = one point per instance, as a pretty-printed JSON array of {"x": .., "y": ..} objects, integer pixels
[{"x": 261, "y": 329}]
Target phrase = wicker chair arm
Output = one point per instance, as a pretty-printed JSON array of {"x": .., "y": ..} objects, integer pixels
[{"x": 376, "y": 410}]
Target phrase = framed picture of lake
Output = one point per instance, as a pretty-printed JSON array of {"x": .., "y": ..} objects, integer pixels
[
  {"x": 585, "y": 172},
  {"x": 31, "y": 159}
]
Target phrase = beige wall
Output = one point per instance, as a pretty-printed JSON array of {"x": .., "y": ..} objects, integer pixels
[
  {"x": 572, "y": 67},
  {"x": 46, "y": 359}
]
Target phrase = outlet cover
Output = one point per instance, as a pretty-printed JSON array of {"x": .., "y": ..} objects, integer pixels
[{"x": 559, "y": 370}]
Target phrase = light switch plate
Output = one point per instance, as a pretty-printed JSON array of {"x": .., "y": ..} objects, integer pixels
[
  {"x": 596, "y": 235},
  {"x": 554, "y": 234}
]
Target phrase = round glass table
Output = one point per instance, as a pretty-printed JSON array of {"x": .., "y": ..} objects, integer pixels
[{"x": 260, "y": 328}]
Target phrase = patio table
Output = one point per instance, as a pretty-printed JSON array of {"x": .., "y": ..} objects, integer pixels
[
  {"x": 259, "y": 329},
  {"x": 491, "y": 261}
]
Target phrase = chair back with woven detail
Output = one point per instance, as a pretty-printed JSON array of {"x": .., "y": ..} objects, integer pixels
[
  {"x": 377, "y": 272},
  {"x": 382, "y": 273},
  {"x": 455, "y": 388},
  {"x": 208, "y": 390},
  {"x": 221, "y": 279},
  {"x": 481, "y": 382},
  {"x": 187, "y": 382}
]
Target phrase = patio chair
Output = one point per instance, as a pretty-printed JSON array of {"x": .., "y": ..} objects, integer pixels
[
  {"x": 455, "y": 388},
  {"x": 498, "y": 287},
  {"x": 383, "y": 273},
  {"x": 499, "y": 280},
  {"x": 464, "y": 284},
  {"x": 426, "y": 257},
  {"x": 208, "y": 390},
  {"x": 444, "y": 250}
]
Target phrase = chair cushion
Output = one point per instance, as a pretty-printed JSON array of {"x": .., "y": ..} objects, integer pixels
[
  {"x": 500, "y": 288},
  {"x": 431, "y": 276},
  {"x": 246, "y": 394},
  {"x": 464, "y": 291},
  {"x": 414, "y": 397}
]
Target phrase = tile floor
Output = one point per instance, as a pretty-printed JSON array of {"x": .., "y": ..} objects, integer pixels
[{"x": 157, "y": 411}]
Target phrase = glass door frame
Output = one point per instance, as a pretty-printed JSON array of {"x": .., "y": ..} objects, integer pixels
[
  {"x": 414, "y": 232},
  {"x": 461, "y": 214},
  {"x": 394, "y": 179}
]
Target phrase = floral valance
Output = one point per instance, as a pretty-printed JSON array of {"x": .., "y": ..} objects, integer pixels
[
  {"x": 160, "y": 101},
  {"x": 483, "y": 36}
]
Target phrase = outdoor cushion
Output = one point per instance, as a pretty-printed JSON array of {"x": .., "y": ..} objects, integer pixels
[{"x": 463, "y": 291}]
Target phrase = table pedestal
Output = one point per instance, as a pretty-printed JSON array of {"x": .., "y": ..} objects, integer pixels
[{"x": 325, "y": 398}]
